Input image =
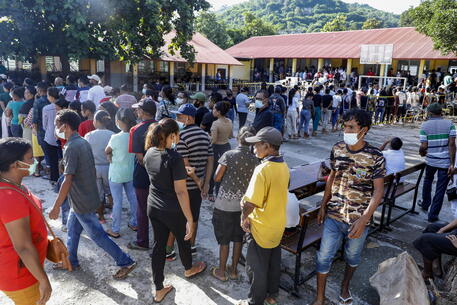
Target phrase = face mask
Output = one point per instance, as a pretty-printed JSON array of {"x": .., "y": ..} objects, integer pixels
[
  {"x": 351, "y": 138},
  {"x": 118, "y": 127},
  {"x": 258, "y": 104},
  {"x": 60, "y": 134},
  {"x": 160, "y": 99},
  {"x": 144, "y": 91},
  {"x": 181, "y": 125},
  {"x": 179, "y": 100},
  {"x": 31, "y": 167}
]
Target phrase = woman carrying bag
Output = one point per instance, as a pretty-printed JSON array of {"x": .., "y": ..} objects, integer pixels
[{"x": 23, "y": 234}]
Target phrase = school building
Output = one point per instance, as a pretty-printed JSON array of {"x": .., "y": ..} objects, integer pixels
[
  {"x": 412, "y": 51},
  {"x": 211, "y": 65}
]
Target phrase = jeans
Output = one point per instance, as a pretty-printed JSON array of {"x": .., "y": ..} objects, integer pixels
[
  {"x": 316, "y": 118},
  {"x": 334, "y": 117},
  {"x": 116, "y": 192},
  {"x": 379, "y": 114},
  {"x": 142, "y": 235},
  {"x": 89, "y": 222},
  {"x": 16, "y": 130},
  {"x": 326, "y": 117},
  {"x": 65, "y": 208},
  {"x": 263, "y": 267},
  {"x": 432, "y": 244},
  {"x": 332, "y": 237},
  {"x": 53, "y": 156},
  {"x": 164, "y": 222},
  {"x": 441, "y": 185},
  {"x": 242, "y": 116},
  {"x": 278, "y": 121},
  {"x": 305, "y": 117}
]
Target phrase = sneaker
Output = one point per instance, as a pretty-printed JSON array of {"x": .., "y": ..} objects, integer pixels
[
  {"x": 64, "y": 228},
  {"x": 171, "y": 256},
  {"x": 194, "y": 250}
]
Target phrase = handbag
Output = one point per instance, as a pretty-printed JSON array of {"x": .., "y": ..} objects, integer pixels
[
  {"x": 57, "y": 252},
  {"x": 451, "y": 193}
]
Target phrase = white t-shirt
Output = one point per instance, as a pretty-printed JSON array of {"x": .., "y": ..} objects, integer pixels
[
  {"x": 395, "y": 161},
  {"x": 336, "y": 101},
  {"x": 292, "y": 211},
  {"x": 96, "y": 94}
]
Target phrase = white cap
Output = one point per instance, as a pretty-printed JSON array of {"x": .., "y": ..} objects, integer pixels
[
  {"x": 95, "y": 77},
  {"x": 107, "y": 89}
]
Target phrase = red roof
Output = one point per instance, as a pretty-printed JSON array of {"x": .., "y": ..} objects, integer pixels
[
  {"x": 206, "y": 51},
  {"x": 408, "y": 44}
]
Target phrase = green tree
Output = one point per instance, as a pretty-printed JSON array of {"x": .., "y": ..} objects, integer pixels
[
  {"x": 252, "y": 26},
  {"x": 406, "y": 18},
  {"x": 372, "y": 23},
  {"x": 339, "y": 23},
  {"x": 438, "y": 20},
  {"x": 216, "y": 31}
]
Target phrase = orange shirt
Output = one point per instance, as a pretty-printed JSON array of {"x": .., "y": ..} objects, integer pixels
[{"x": 13, "y": 206}]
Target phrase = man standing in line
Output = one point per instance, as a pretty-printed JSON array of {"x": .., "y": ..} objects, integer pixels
[
  {"x": 242, "y": 104},
  {"x": 278, "y": 108},
  {"x": 354, "y": 189},
  {"x": 264, "y": 217},
  {"x": 80, "y": 186},
  {"x": 437, "y": 137},
  {"x": 96, "y": 92}
]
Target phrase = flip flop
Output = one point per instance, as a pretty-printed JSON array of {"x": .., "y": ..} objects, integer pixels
[
  {"x": 343, "y": 301},
  {"x": 170, "y": 289},
  {"x": 233, "y": 278},
  {"x": 124, "y": 271},
  {"x": 112, "y": 234},
  {"x": 202, "y": 267},
  {"x": 133, "y": 228},
  {"x": 222, "y": 279}
]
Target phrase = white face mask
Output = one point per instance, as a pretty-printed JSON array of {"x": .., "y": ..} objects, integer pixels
[
  {"x": 351, "y": 139},
  {"x": 179, "y": 100},
  {"x": 60, "y": 134},
  {"x": 258, "y": 104}
]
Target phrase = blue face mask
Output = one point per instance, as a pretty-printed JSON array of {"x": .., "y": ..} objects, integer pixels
[
  {"x": 258, "y": 104},
  {"x": 181, "y": 125}
]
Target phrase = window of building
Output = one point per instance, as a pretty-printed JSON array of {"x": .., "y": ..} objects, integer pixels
[
  {"x": 53, "y": 64},
  {"x": 100, "y": 66},
  {"x": 163, "y": 66}
]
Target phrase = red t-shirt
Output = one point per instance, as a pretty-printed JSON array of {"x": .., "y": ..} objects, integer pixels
[
  {"x": 86, "y": 127},
  {"x": 13, "y": 206}
]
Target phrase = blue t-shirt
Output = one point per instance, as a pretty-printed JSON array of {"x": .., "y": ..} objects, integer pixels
[
  {"x": 122, "y": 162},
  {"x": 15, "y": 106}
]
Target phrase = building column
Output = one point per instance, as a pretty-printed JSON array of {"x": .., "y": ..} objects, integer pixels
[
  {"x": 203, "y": 76},
  {"x": 348, "y": 69},
  {"x": 294, "y": 66},
  {"x": 135, "y": 77},
  {"x": 171, "y": 70},
  {"x": 229, "y": 76},
  {"x": 42, "y": 67},
  {"x": 93, "y": 66},
  {"x": 420, "y": 72},
  {"x": 381, "y": 70},
  {"x": 271, "y": 71},
  {"x": 320, "y": 64}
]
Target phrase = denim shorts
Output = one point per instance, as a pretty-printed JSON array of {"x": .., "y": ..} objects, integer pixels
[{"x": 334, "y": 234}]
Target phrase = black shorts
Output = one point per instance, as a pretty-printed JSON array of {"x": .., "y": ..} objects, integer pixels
[
  {"x": 227, "y": 227},
  {"x": 195, "y": 198}
]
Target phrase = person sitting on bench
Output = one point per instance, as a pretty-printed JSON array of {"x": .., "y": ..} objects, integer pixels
[
  {"x": 395, "y": 158},
  {"x": 438, "y": 238}
]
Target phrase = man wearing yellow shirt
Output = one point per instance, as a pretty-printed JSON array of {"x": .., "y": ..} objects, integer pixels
[{"x": 264, "y": 217}]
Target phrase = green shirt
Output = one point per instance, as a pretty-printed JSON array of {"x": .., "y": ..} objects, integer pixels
[
  {"x": 122, "y": 162},
  {"x": 15, "y": 106}
]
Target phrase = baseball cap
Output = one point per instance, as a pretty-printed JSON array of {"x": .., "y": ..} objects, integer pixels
[
  {"x": 95, "y": 77},
  {"x": 435, "y": 108},
  {"x": 268, "y": 135},
  {"x": 199, "y": 96},
  {"x": 186, "y": 109},
  {"x": 147, "y": 105}
]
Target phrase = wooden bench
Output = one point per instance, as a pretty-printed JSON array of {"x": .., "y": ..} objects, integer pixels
[
  {"x": 400, "y": 188},
  {"x": 308, "y": 234},
  {"x": 388, "y": 184}
]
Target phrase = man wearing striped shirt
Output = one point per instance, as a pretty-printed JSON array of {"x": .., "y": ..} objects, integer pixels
[
  {"x": 437, "y": 137},
  {"x": 197, "y": 152}
]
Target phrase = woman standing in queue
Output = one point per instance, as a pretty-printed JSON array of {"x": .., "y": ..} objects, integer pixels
[
  {"x": 23, "y": 234},
  {"x": 168, "y": 201}
]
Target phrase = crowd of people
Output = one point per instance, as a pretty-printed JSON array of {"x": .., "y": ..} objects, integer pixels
[{"x": 168, "y": 151}]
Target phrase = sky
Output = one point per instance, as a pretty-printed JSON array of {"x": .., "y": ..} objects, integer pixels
[{"x": 393, "y": 6}]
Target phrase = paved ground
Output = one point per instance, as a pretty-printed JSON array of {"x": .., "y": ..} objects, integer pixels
[{"x": 94, "y": 284}]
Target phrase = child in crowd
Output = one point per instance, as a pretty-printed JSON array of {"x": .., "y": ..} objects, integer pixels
[
  {"x": 65, "y": 207},
  {"x": 98, "y": 140},
  {"x": 234, "y": 172},
  {"x": 121, "y": 171},
  {"x": 87, "y": 110},
  {"x": 12, "y": 111}
]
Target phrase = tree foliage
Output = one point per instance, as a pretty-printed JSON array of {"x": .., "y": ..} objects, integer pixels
[
  {"x": 339, "y": 23},
  {"x": 438, "y": 20},
  {"x": 127, "y": 30},
  {"x": 216, "y": 31},
  {"x": 406, "y": 18},
  {"x": 372, "y": 23}
]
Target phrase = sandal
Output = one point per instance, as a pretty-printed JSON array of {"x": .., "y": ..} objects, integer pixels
[
  {"x": 133, "y": 228},
  {"x": 113, "y": 234},
  {"x": 214, "y": 274},
  {"x": 168, "y": 288},
  {"x": 62, "y": 267},
  {"x": 134, "y": 246},
  {"x": 201, "y": 267},
  {"x": 124, "y": 271},
  {"x": 233, "y": 278},
  {"x": 348, "y": 301}
]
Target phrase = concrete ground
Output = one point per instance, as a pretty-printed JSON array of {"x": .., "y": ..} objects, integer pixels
[{"x": 93, "y": 284}]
